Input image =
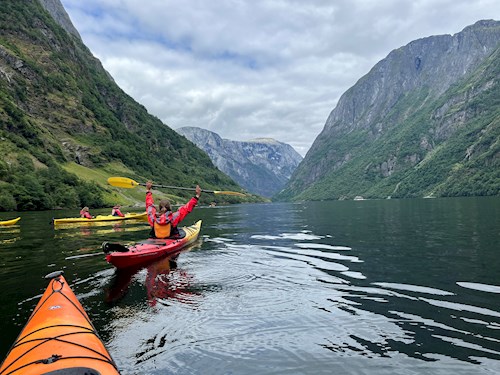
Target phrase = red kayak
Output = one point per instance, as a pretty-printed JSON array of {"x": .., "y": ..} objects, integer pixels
[{"x": 143, "y": 252}]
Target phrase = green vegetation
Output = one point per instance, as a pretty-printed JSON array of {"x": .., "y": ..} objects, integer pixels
[
  {"x": 24, "y": 187},
  {"x": 430, "y": 146},
  {"x": 65, "y": 126}
]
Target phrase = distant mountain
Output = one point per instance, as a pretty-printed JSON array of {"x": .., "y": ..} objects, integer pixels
[
  {"x": 262, "y": 165},
  {"x": 65, "y": 126},
  {"x": 425, "y": 121}
]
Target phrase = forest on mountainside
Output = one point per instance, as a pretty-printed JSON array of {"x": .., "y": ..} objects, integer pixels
[{"x": 65, "y": 126}]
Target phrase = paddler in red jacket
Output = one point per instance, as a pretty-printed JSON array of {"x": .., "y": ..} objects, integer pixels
[
  {"x": 163, "y": 221},
  {"x": 85, "y": 213},
  {"x": 116, "y": 211}
]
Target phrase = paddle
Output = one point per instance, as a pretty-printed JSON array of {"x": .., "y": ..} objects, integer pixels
[
  {"x": 128, "y": 183},
  {"x": 82, "y": 256}
]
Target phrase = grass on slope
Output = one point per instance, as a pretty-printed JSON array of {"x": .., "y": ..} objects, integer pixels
[{"x": 114, "y": 195}]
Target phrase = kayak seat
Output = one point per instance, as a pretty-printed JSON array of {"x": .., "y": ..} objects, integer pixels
[{"x": 73, "y": 371}]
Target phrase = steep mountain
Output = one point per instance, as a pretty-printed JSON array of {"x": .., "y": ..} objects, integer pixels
[
  {"x": 65, "y": 126},
  {"x": 262, "y": 165},
  {"x": 425, "y": 121}
]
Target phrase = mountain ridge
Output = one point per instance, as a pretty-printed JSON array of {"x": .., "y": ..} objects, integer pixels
[
  {"x": 260, "y": 165},
  {"x": 409, "y": 109}
]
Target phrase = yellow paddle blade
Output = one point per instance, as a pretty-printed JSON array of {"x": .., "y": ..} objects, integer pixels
[
  {"x": 228, "y": 193},
  {"x": 122, "y": 182}
]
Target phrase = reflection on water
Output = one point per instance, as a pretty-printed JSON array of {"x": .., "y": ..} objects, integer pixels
[
  {"x": 387, "y": 287},
  {"x": 97, "y": 228},
  {"x": 9, "y": 234},
  {"x": 164, "y": 279}
]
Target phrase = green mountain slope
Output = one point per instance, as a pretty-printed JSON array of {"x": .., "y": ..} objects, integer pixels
[
  {"x": 423, "y": 138},
  {"x": 65, "y": 126}
]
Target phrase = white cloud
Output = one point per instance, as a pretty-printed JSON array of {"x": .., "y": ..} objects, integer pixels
[{"x": 264, "y": 68}]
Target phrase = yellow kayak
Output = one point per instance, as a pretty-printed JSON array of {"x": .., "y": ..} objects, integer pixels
[
  {"x": 10, "y": 222},
  {"x": 100, "y": 218}
]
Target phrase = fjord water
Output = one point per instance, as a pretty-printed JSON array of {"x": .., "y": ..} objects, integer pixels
[{"x": 345, "y": 287}]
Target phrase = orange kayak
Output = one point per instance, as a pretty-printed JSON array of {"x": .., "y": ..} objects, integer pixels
[{"x": 58, "y": 338}]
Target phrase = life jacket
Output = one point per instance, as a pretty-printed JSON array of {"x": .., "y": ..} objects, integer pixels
[{"x": 162, "y": 231}]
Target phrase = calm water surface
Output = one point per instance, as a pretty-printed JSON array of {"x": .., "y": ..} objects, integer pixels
[{"x": 367, "y": 287}]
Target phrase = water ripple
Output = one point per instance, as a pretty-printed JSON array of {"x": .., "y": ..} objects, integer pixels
[
  {"x": 326, "y": 255},
  {"x": 354, "y": 275},
  {"x": 322, "y": 246},
  {"x": 462, "y": 307},
  {"x": 301, "y": 236},
  {"x": 465, "y": 344},
  {"x": 414, "y": 288},
  {"x": 480, "y": 287},
  {"x": 311, "y": 260}
]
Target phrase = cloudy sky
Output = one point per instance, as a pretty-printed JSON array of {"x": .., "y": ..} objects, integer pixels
[{"x": 256, "y": 68}]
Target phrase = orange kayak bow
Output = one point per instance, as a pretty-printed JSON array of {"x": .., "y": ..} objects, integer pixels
[{"x": 58, "y": 338}]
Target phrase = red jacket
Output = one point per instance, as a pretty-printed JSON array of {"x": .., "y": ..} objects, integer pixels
[
  {"x": 116, "y": 212},
  {"x": 85, "y": 214},
  {"x": 174, "y": 218}
]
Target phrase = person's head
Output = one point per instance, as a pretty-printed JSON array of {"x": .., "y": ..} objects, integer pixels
[
  {"x": 116, "y": 207},
  {"x": 85, "y": 209},
  {"x": 164, "y": 206}
]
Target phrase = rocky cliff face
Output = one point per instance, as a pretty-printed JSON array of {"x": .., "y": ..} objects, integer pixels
[
  {"x": 57, "y": 11},
  {"x": 262, "y": 166},
  {"x": 434, "y": 63},
  {"x": 411, "y": 110}
]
